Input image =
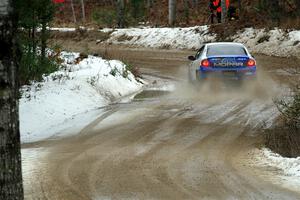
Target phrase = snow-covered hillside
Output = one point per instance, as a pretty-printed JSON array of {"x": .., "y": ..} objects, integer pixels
[
  {"x": 78, "y": 87},
  {"x": 287, "y": 43}
]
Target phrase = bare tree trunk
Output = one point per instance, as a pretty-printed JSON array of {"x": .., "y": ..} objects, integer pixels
[
  {"x": 195, "y": 3},
  {"x": 148, "y": 8},
  {"x": 83, "y": 10},
  {"x": 224, "y": 11},
  {"x": 121, "y": 13},
  {"x": 172, "y": 12},
  {"x": 186, "y": 11},
  {"x": 10, "y": 154},
  {"x": 275, "y": 11},
  {"x": 240, "y": 7},
  {"x": 149, "y": 3},
  {"x": 43, "y": 43},
  {"x": 73, "y": 12}
]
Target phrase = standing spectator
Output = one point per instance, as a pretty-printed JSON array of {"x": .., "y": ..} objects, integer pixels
[
  {"x": 212, "y": 7},
  {"x": 217, "y": 3}
]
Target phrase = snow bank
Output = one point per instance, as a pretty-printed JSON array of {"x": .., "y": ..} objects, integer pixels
[
  {"x": 289, "y": 168},
  {"x": 62, "y": 29},
  {"x": 180, "y": 38},
  {"x": 65, "y": 29},
  {"x": 275, "y": 42},
  {"x": 78, "y": 87}
]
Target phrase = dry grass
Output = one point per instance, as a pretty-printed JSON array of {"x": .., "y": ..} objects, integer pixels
[
  {"x": 81, "y": 34},
  {"x": 291, "y": 23},
  {"x": 285, "y": 137},
  {"x": 124, "y": 37}
]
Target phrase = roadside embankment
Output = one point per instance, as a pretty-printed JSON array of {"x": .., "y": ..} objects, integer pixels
[{"x": 81, "y": 85}]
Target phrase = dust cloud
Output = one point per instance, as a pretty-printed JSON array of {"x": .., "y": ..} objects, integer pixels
[{"x": 214, "y": 90}]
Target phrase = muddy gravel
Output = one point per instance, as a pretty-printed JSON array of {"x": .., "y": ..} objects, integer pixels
[{"x": 173, "y": 141}]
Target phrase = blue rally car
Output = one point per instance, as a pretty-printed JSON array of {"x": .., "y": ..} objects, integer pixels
[{"x": 222, "y": 60}]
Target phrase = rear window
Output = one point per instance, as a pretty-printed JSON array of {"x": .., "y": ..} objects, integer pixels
[{"x": 225, "y": 49}]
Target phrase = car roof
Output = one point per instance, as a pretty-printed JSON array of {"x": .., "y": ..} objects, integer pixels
[{"x": 225, "y": 43}]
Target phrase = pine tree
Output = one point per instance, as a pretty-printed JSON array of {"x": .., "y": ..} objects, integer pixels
[{"x": 34, "y": 14}]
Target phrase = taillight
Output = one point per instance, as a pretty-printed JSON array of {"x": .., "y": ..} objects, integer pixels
[
  {"x": 251, "y": 63},
  {"x": 205, "y": 63}
]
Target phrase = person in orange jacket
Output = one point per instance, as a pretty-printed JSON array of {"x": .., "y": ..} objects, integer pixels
[
  {"x": 217, "y": 3},
  {"x": 212, "y": 7}
]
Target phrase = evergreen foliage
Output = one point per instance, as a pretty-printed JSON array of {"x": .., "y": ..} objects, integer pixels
[
  {"x": 104, "y": 17},
  {"x": 34, "y": 17},
  {"x": 137, "y": 10}
]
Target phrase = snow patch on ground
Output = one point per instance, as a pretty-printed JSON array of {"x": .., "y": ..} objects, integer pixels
[
  {"x": 274, "y": 42},
  {"x": 287, "y": 43},
  {"x": 62, "y": 29},
  {"x": 77, "y": 88},
  {"x": 288, "y": 168},
  {"x": 179, "y": 38},
  {"x": 71, "y": 29}
]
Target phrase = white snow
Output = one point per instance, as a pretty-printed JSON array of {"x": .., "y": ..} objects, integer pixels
[
  {"x": 71, "y": 29},
  {"x": 180, "y": 38},
  {"x": 62, "y": 29},
  {"x": 287, "y": 43},
  {"x": 49, "y": 106},
  {"x": 289, "y": 168},
  {"x": 275, "y": 42}
]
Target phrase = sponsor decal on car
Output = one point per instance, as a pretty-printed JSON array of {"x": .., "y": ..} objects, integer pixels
[{"x": 228, "y": 64}]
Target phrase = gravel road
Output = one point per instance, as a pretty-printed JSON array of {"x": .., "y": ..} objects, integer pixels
[{"x": 173, "y": 141}]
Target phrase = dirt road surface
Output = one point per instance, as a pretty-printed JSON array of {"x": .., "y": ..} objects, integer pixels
[{"x": 172, "y": 141}]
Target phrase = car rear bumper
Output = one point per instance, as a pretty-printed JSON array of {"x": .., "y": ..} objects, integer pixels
[{"x": 228, "y": 73}]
